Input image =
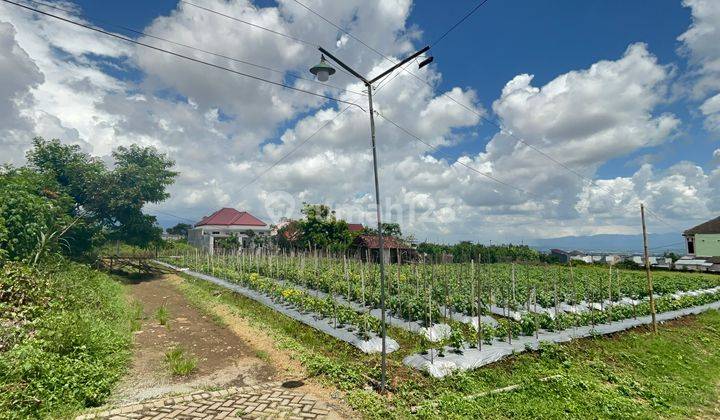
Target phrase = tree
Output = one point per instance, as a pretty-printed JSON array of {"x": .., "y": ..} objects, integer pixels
[
  {"x": 179, "y": 229},
  {"x": 321, "y": 229},
  {"x": 388, "y": 229},
  {"x": 34, "y": 214},
  {"x": 109, "y": 202}
]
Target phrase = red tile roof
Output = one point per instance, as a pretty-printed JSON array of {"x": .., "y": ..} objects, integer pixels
[
  {"x": 355, "y": 227},
  {"x": 227, "y": 216},
  {"x": 373, "y": 242}
]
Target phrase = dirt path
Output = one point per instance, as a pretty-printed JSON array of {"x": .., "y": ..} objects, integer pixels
[
  {"x": 223, "y": 359},
  {"x": 233, "y": 358}
]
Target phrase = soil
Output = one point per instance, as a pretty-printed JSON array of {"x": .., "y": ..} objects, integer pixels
[{"x": 223, "y": 358}]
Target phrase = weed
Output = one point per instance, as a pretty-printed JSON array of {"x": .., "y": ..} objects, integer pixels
[
  {"x": 263, "y": 355},
  {"x": 162, "y": 314},
  {"x": 180, "y": 363}
]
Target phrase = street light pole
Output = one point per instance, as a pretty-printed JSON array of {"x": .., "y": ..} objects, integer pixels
[{"x": 322, "y": 70}]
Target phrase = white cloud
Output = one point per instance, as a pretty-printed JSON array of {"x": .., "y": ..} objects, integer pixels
[
  {"x": 701, "y": 45},
  {"x": 223, "y": 129}
]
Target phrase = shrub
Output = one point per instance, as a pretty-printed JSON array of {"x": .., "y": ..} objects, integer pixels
[{"x": 74, "y": 343}]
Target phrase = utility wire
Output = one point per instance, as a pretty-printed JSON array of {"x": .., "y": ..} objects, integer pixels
[
  {"x": 434, "y": 148},
  {"x": 186, "y": 57},
  {"x": 293, "y": 38},
  {"x": 444, "y": 94},
  {"x": 293, "y": 150},
  {"x": 307, "y": 139},
  {"x": 254, "y": 25},
  {"x": 467, "y": 15},
  {"x": 237, "y": 60}
]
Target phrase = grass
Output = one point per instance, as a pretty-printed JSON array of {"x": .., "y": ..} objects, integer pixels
[
  {"x": 636, "y": 374},
  {"x": 180, "y": 363},
  {"x": 73, "y": 344},
  {"x": 162, "y": 314}
]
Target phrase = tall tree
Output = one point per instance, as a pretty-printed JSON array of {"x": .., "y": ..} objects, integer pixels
[{"x": 110, "y": 202}]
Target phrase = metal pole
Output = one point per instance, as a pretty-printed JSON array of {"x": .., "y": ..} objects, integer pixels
[
  {"x": 647, "y": 268},
  {"x": 380, "y": 240}
]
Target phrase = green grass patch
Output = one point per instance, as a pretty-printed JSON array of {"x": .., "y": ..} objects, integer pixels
[
  {"x": 162, "y": 314},
  {"x": 635, "y": 374},
  {"x": 72, "y": 342},
  {"x": 179, "y": 362}
]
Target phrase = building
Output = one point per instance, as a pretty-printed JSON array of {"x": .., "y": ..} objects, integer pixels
[
  {"x": 224, "y": 223},
  {"x": 395, "y": 250},
  {"x": 704, "y": 239},
  {"x": 355, "y": 227},
  {"x": 703, "y": 247}
]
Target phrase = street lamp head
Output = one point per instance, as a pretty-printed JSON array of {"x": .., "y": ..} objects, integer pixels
[{"x": 322, "y": 70}]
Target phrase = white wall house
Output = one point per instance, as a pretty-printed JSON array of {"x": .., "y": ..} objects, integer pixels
[{"x": 223, "y": 223}]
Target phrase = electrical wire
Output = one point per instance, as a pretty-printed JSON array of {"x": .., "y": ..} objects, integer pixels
[
  {"x": 293, "y": 150},
  {"x": 467, "y": 15},
  {"x": 254, "y": 25},
  {"x": 181, "y": 55},
  {"x": 444, "y": 94},
  {"x": 237, "y": 60},
  {"x": 434, "y": 148}
]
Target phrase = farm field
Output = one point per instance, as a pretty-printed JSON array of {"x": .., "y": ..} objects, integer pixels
[
  {"x": 636, "y": 374},
  {"x": 440, "y": 303}
]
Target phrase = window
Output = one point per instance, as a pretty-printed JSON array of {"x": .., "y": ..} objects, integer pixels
[
  {"x": 217, "y": 232},
  {"x": 691, "y": 246}
]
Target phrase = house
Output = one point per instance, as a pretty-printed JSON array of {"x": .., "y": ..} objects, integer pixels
[
  {"x": 703, "y": 247},
  {"x": 395, "y": 250},
  {"x": 224, "y": 223},
  {"x": 704, "y": 239},
  {"x": 355, "y": 227}
]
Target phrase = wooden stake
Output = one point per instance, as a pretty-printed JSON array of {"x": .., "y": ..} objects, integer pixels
[{"x": 647, "y": 268}]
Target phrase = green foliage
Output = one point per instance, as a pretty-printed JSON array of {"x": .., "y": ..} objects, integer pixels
[
  {"x": 31, "y": 208},
  {"x": 388, "y": 229},
  {"x": 72, "y": 342},
  {"x": 109, "y": 202},
  {"x": 180, "y": 363},
  {"x": 640, "y": 375},
  {"x": 318, "y": 229},
  {"x": 179, "y": 229},
  {"x": 466, "y": 251},
  {"x": 162, "y": 314}
]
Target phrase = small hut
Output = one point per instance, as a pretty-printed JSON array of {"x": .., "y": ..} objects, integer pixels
[{"x": 396, "y": 251}]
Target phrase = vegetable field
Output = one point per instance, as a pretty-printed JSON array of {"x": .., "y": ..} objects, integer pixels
[{"x": 442, "y": 303}]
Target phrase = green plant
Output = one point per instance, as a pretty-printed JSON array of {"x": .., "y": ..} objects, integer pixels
[
  {"x": 162, "y": 314},
  {"x": 180, "y": 363}
]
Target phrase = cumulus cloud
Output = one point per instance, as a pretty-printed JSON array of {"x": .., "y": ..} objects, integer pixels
[
  {"x": 225, "y": 131},
  {"x": 700, "y": 44}
]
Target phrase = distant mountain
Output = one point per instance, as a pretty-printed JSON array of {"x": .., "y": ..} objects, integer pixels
[{"x": 658, "y": 243}]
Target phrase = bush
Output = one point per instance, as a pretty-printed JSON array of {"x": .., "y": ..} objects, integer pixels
[{"x": 74, "y": 343}]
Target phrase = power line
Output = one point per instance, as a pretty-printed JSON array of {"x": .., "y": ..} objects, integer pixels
[
  {"x": 175, "y": 216},
  {"x": 299, "y": 145},
  {"x": 444, "y": 94},
  {"x": 307, "y": 139},
  {"x": 414, "y": 136},
  {"x": 237, "y": 60},
  {"x": 467, "y": 15},
  {"x": 181, "y": 55},
  {"x": 254, "y": 25}
]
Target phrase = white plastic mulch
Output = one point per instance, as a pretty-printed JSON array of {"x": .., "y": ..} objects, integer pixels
[{"x": 372, "y": 345}]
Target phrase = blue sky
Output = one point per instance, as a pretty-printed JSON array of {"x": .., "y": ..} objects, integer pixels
[
  {"x": 655, "y": 146},
  {"x": 504, "y": 38}
]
